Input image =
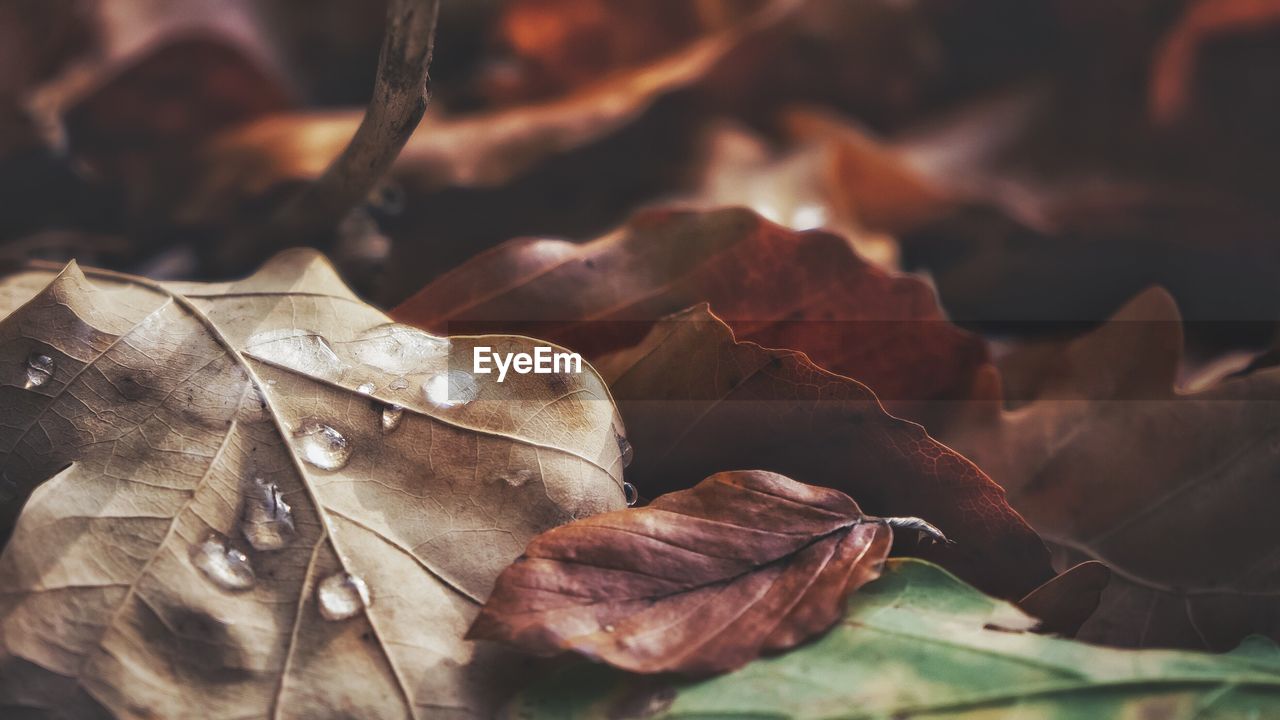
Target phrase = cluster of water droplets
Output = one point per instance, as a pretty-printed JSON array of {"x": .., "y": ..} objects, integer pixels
[{"x": 267, "y": 525}]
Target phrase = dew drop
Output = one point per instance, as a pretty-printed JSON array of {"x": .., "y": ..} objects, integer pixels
[
  {"x": 302, "y": 350},
  {"x": 268, "y": 520},
  {"x": 342, "y": 596},
  {"x": 399, "y": 349},
  {"x": 226, "y": 567},
  {"x": 398, "y": 384},
  {"x": 624, "y": 449},
  {"x": 321, "y": 445},
  {"x": 365, "y": 388},
  {"x": 391, "y": 417},
  {"x": 450, "y": 389},
  {"x": 39, "y": 369},
  {"x": 609, "y": 628},
  {"x": 630, "y": 493}
]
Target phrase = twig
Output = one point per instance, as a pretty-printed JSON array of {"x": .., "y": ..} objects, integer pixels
[{"x": 400, "y": 96}]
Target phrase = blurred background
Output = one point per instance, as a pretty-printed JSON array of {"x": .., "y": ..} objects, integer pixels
[{"x": 1042, "y": 161}]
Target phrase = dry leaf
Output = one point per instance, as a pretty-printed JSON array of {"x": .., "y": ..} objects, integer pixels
[
  {"x": 480, "y": 149},
  {"x": 701, "y": 581},
  {"x": 263, "y": 498},
  {"x": 1064, "y": 603},
  {"x": 1175, "y": 492},
  {"x": 804, "y": 291},
  {"x": 697, "y": 402},
  {"x": 555, "y": 45}
]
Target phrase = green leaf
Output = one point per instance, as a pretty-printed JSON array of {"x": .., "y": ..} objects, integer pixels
[{"x": 921, "y": 643}]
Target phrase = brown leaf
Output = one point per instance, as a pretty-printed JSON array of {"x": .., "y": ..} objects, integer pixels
[
  {"x": 263, "y": 496},
  {"x": 701, "y": 581},
  {"x": 804, "y": 291},
  {"x": 1064, "y": 603},
  {"x": 1172, "y": 491},
  {"x": 479, "y": 149},
  {"x": 697, "y": 402},
  {"x": 455, "y": 169}
]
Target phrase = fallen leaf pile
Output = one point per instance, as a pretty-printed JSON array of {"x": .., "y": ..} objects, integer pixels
[{"x": 929, "y": 359}]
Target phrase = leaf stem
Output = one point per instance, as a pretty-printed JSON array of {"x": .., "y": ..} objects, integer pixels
[{"x": 923, "y": 527}]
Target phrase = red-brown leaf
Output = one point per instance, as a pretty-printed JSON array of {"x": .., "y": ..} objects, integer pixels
[
  {"x": 696, "y": 401},
  {"x": 701, "y": 581},
  {"x": 805, "y": 291}
]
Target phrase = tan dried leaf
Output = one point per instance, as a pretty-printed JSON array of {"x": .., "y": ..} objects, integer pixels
[{"x": 231, "y": 517}]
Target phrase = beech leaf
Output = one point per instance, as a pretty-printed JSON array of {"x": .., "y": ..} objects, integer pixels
[
  {"x": 701, "y": 581},
  {"x": 919, "y": 643},
  {"x": 263, "y": 498}
]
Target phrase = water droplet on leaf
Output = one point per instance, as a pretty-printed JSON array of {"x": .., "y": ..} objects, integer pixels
[
  {"x": 226, "y": 567},
  {"x": 630, "y": 493},
  {"x": 391, "y": 417},
  {"x": 400, "y": 349},
  {"x": 268, "y": 520},
  {"x": 398, "y": 384},
  {"x": 321, "y": 445},
  {"x": 450, "y": 389},
  {"x": 365, "y": 388},
  {"x": 342, "y": 596},
  {"x": 625, "y": 449},
  {"x": 39, "y": 369},
  {"x": 302, "y": 350}
]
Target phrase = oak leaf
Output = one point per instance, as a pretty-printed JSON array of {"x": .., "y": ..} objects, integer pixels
[
  {"x": 1174, "y": 491},
  {"x": 701, "y": 581},
  {"x": 263, "y": 498},
  {"x": 696, "y": 401}
]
